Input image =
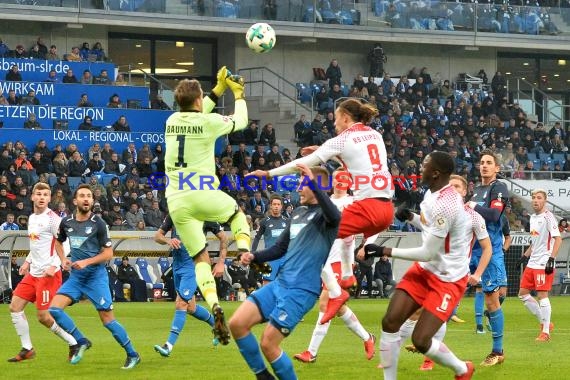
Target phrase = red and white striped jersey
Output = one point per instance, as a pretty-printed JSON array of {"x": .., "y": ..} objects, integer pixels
[
  {"x": 443, "y": 215},
  {"x": 477, "y": 225},
  {"x": 543, "y": 230},
  {"x": 42, "y": 231}
]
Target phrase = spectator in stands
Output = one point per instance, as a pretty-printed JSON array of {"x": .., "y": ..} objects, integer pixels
[
  {"x": 4, "y": 49},
  {"x": 42, "y": 48},
  {"x": 121, "y": 125},
  {"x": 86, "y": 78},
  {"x": 73, "y": 56},
  {"x": 240, "y": 155},
  {"x": 77, "y": 165},
  {"x": 274, "y": 154},
  {"x": 84, "y": 51},
  {"x": 41, "y": 147},
  {"x": 383, "y": 276},
  {"x": 158, "y": 103},
  {"x": 112, "y": 186},
  {"x": 35, "y": 53},
  {"x": 21, "y": 160},
  {"x": 15, "y": 275},
  {"x": 154, "y": 216},
  {"x": 103, "y": 78},
  {"x": 52, "y": 54},
  {"x": 145, "y": 168},
  {"x": 134, "y": 216},
  {"x": 60, "y": 164},
  {"x": 22, "y": 219},
  {"x": 107, "y": 152},
  {"x": 3, "y": 100},
  {"x": 87, "y": 124},
  {"x": 40, "y": 163},
  {"x": 250, "y": 134},
  {"x": 14, "y": 74},
  {"x": 333, "y": 73},
  {"x": 52, "y": 77},
  {"x": 131, "y": 151},
  {"x": 115, "y": 213},
  {"x": 69, "y": 77},
  {"x": 98, "y": 52},
  {"x": 563, "y": 225},
  {"x": 9, "y": 224},
  {"x": 62, "y": 185},
  {"x": 377, "y": 59},
  {"x": 114, "y": 102},
  {"x": 127, "y": 274},
  {"x": 120, "y": 80},
  {"x": 112, "y": 165},
  {"x": 259, "y": 153},
  {"x": 364, "y": 270},
  {"x": 19, "y": 52},
  {"x": 267, "y": 137},
  {"x": 5, "y": 160},
  {"x": 13, "y": 100},
  {"x": 303, "y": 133},
  {"x": 10, "y": 174},
  {"x": 30, "y": 99}
]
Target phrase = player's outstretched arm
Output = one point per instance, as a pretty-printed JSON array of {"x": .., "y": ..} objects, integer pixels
[
  {"x": 487, "y": 252},
  {"x": 431, "y": 246},
  {"x": 330, "y": 211}
]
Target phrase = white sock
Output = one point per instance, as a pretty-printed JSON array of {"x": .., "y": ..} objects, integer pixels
[
  {"x": 439, "y": 353},
  {"x": 63, "y": 334},
  {"x": 440, "y": 334},
  {"x": 389, "y": 354},
  {"x": 532, "y": 306},
  {"x": 352, "y": 322},
  {"x": 22, "y": 329},
  {"x": 347, "y": 257},
  {"x": 169, "y": 346},
  {"x": 407, "y": 329},
  {"x": 546, "y": 312},
  {"x": 329, "y": 279},
  {"x": 319, "y": 333}
]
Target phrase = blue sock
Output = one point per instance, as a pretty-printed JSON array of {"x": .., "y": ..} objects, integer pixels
[
  {"x": 497, "y": 324},
  {"x": 283, "y": 367},
  {"x": 66, "y": 323},
  {"x": 249, "y": 349},
  {"x": 202, "y": 314},
  {"x": 177, "y": 326},
  {"x": 120, "y": 335},
  {"x": 479, "y": 304},
  {"x": 501, "y": 299}
]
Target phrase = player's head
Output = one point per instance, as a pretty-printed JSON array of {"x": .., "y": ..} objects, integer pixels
[
  {"x": 306, "y": 195},
  {"x": 83, "y": 198},
  {"x": 275, "y": 204},
  {"x": 538, "y": 200},
  {"x": 41, "y": 196},
  {"x": 436, "y": 169},
  {"x": 341, "y": 181},
  {"x": 489, "y": 165},
  {"x": 351, "y": 111},
  {"x": 459, "y": 184},
  {"x": 188, "y": 95}
]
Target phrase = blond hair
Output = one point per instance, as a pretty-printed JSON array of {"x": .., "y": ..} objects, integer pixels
[
  {"x": 539, "y": 191},
  {"x": 41, "y": 186},
  {"x": 459, "y": 178}
]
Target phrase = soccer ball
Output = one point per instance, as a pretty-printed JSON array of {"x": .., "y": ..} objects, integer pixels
[{"x": 260, "y": 37}]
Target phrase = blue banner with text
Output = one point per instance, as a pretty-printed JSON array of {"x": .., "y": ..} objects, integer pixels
[
  {"x": 61, "y": 94},
  {"x": 37, "y": 70},
  {"x": 48, "y": 116}
]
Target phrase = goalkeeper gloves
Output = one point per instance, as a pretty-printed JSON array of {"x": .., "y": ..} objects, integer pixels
[
  {"x": 237, "y": 85},
  {"x": 221, "y": 85},
  {"x": 404, "y": 215},
  {"x": 549, "y": 268}
]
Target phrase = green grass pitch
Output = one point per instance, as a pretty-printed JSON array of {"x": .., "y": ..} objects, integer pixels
[{"x": 341, "y": 356}]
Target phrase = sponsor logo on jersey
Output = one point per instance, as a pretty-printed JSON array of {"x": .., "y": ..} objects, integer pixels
[
  {"x": 70, "y": 229},
  {"x": 34, "y": 236},
  {"x": 88, "y": 230}
]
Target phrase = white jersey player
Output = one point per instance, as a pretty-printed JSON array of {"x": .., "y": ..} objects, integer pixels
[
  {"x": 361, "y": 150},
  {"x": 42, "y": 269},
  {"x": 539, "y": 272}
]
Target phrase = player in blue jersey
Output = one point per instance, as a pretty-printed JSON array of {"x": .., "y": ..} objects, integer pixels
[
  {"x": 489, "y": 199},
  {"x": 90, "y": 250},
  {"x": 185, "y": 280},
  {"x": 306, "y": 243},
  {"x": 271, "y": 228}
]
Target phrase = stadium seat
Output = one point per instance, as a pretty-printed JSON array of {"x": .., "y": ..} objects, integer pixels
[
  {"x": 146, "y": 272},
  {"x": 116, "y": 263},
  {"x": 544, "y": 157},
  {"x": 162, "y": 265},
  {"x": 74, "y": 182},
  {"x": 52, "y": 181},
  {"x": 559, "y": 157}
]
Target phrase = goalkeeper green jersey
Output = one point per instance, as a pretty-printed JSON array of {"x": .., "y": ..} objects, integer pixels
[{"x": 190, "y": 142}]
